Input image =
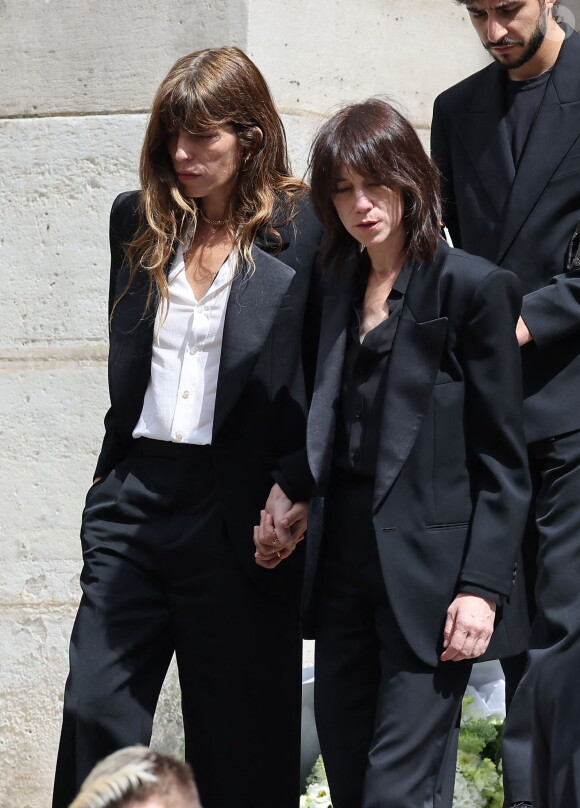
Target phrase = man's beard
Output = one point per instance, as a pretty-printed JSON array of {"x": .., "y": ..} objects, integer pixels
[{"x": 533, "y": 46}]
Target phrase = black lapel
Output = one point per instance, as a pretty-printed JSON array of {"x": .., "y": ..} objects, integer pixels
[
  {"x": 253, "y": 304},
  {"x": 336, "y": 314},
  {"x": 412, "y": 370},
  {"x": 483, "y": 131},
  {"x": 555, "y": 129}
]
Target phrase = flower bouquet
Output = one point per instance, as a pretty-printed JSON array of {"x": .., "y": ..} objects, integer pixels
[
  {"x": 478, "y": 780},
  {"x": 317, "y": 793}
]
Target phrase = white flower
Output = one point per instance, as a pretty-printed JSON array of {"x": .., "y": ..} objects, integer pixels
[
  {"x": 317, "y": 793},
  {"x": 465, "y": 794}
]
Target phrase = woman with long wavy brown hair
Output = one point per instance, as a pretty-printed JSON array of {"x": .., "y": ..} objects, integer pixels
[{"x": 210, "y": 281}]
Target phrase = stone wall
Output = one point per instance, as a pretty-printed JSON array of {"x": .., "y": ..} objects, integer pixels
[{"x": 77, "y": 79}]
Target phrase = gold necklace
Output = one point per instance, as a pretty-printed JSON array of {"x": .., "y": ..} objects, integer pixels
[{"x": 214, "y": 222}]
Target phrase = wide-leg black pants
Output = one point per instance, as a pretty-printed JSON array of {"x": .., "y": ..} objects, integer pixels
[
  {"x": 160, "y": 575},
  {"x": 386, "y": 720},
  {"x": 552, "y": 547}
]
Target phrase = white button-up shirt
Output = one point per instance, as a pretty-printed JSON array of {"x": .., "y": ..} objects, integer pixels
[{"x": 179, "y": 402}]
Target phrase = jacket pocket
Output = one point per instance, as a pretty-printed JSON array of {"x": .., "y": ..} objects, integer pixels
[
  {"x": 448, "y": 526},
  {"x": 570, "y": 165}
]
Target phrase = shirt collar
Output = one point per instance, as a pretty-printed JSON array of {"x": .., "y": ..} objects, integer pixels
[
  {"x": 399, "y": 286},
  {"x": 401, "y": 283},
  {"x": 223, "y": 278}
]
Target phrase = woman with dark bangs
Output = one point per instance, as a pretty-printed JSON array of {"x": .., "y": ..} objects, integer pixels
[
  {"x": 415, "y": 441},
  {"x": 210, "y": 280}
]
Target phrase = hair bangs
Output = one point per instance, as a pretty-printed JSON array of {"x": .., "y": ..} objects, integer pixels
[
  {"x": 364, "y": 149},
  {"x": 191, "y": 107},
  {"x": 372, "y": 139}
]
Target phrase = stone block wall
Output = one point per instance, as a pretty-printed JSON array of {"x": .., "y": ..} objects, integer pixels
[{"x": 77, "y": 81}]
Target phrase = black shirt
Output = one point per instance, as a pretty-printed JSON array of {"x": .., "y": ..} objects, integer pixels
[
  {"x": 522, "y": 101},
  {"x": 362, "y": 395},
  {"x": 363, "y": 382}
]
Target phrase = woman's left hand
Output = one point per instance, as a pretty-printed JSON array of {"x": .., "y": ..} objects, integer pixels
[
  {"x": 282, "y": 526},
  {"x": 290, "y": 519},
  {"x": 468, "y": 627},
  {"x": 269, "y": 551}
]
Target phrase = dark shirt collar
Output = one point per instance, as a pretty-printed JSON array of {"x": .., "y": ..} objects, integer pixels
[
  {"x": 513, "y": 86},
  {"x": 404, "y": 276},
  {"x": 380, "y": 338},
  {"x": 399, "y": 287}
]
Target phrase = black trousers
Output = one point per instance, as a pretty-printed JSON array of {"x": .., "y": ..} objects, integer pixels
[
  {"x": 556, "y": 732},
  {"x": 386, "y": 720},
  {"x": 552, "y": 547},
  {"x": 159, "y": 576}
]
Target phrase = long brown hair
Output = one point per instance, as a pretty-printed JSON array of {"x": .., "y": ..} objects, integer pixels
[
  {"x": 203, "y": 90},
  {"x": 374, "y": 140}
]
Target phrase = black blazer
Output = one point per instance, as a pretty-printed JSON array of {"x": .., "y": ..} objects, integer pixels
[
  {"x": 522, "y": 221},
  {"x": 451, "y": 488},
  {"x": 260, "y": 410}
]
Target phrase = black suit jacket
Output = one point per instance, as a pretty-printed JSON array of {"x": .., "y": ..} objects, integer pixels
[
  {"x": 260, "y": 410},
  {"x": 522, "y": 221},
  {"x": 451, "y": 486}
]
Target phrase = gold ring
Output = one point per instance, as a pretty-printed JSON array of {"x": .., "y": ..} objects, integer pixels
[
  {"x": 275, "y": 540},
  {"x": 278, "y": 553}
]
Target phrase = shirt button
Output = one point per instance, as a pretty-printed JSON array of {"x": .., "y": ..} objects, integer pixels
[
  {"x": 179, "y": 437},
  {"x": 355, "y": 457},
  {"x": 358, "y": 414},
  {"x": 185, "y": 394},
  {"x": 193, "y": 350},
  {"x": 201, "y": 309}
]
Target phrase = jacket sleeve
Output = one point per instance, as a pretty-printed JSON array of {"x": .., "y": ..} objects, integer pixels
[
  {"x": 553, "y": 312},
  {"x": 121, "y": 223},
  {"x": 497, "y": 454},
  {"x": 292, "y": 472},
  {"x": 442, "y": 158},
  {"x": 293, "y": 476}
]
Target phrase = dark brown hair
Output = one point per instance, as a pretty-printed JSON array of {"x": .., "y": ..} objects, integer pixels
[
  {"x": 204, "y": 90},
  {"x": 542, "y": 4},
  {"x": 374, "y": 140}
]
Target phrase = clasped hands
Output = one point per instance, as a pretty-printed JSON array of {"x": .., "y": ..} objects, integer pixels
[
  {"x": 282, "y": 526},
  {"x": 470, "y": 618}
]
